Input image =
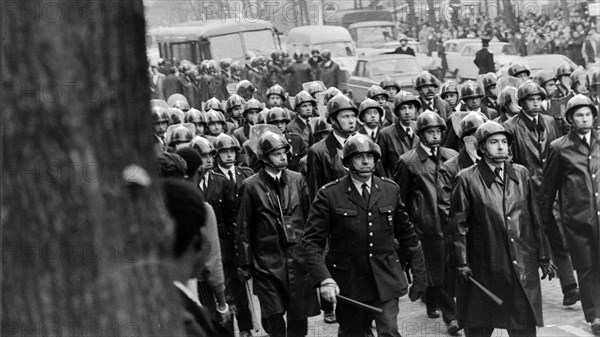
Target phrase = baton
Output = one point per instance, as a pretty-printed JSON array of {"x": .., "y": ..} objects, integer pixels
[
  {"x": 359, "y": 304},
  {"x": 486, "y": 291}
]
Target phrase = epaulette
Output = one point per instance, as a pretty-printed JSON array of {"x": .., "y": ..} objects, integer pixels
[
  {"x": 389, "y": 180},
  {"x": 331, "y": 183},
  {"x": 220, "y": 174},
  {"x": 246, "y": 169}
]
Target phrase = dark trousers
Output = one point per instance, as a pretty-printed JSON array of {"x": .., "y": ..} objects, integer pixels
[
  {"x": 355, "y": 322},
  {"x": 438, "y": 297},
  {"x": 589, "y": 285},
  {"x": 486, "y": 332},
  {"x": 562, "y": 258},
  {"x": 275, "y": 326},
  {"x": 238, "y": 296}
]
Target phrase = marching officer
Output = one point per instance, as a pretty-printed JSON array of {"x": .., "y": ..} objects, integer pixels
[
  {"x": 519, "y": 71},
  {"x": 324, "y": 157},
  {"x": 397, "y": 139},
  {"x": 427, "y": 86},
  {"x": 160, "y": 122},
  {"x": 245, "y": 89},
  {"x": 305, "y": 107},
  {"x": 417, "y": 176},
  {"x": 215, "y": 124},
  {"x": 450, "y": 93},
  {"x": 237, "y": 71},
  {"x": 235, "y": 107},
  {"x": 471, "y": 93},
  {"x": 359, "y": 217},
  {"x": 369, "y": 113},
  {"x": 493, "y": 194},
  {"x": 197, "y": 118},
  {"x": 392, "y": 87},
  {"x": 252, "y": 108},
  {"x": 219, "y": 192},
  {"x": 508, "y": 104},
  {"x": 381, "y": 96},
  {"x": 330, "y": 72},
  {"x": 489, "y": 101},
  {"x": 573, "y": 169},
  {"x": 563, "y": 77},
  {"x": 271, "y": 221},
  {"x": 484, "y": 60},
  {"x": 279, "y": 117},
  {"x": 299, "y": 72},
  {"x": 228, "y": 150}
]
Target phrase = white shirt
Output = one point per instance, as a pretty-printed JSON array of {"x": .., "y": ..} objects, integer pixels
[
  {"x": 408, "y": 130},
  {"x": 275, "y": 177},
  {"x": 204, "y": 182},
  {"x": 359, "y": 184},
  {"x": 587, "y": 137},
  {"x": 340, "y": 140},
  {"x": 370, "y": 131},
  {"x": 493, "y": 168},
  {"x": 226, "y": 172},
  {"x": 430, "y": 151}
]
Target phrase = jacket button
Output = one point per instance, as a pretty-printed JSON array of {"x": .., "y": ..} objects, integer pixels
[
  {"x": 334, "y": 265},
  {"x": 515, "y": 262},
  {"x": 371, "y": 234},
  {"x": 345, "y": 213},
  {"x": 370, "y": 224},
  {"x": 590, "y": 157},
  {"x": 370, "y": 214},
  {"x": 507, "y": 218},
  {"x": 371, "y": 244},
  {"x": 370, "y": 255},
  {"x": 512, "y": 240},
  {"x": 596, "y": 194},
  {"x": 594, "y": 175}
]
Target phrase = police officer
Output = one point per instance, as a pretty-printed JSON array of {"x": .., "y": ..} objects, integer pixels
[
  {"x": 179, "y": 136},
  {"x": 178, "y": 101},
  {"x": 235, "y": 107},
  {"x": 299, "y": 72},
  {"x": 271, "y": 221},
  {"x": 175, "y": 116},
  {"x": 219, "y": 192},
  {"x": 563, "y": 77},
  {"x": 245, "y": 89},
  {"x": 359, "y": 216},
  {"x": 427, "y": 86},
  {"x": 228, "y": 150},
  {"x": 324, "y": 157},
  {"x": 519, "y": 71},
  {"x": 397, "y": 139},
  {"x": 305, "y": 106},
  {"x": 330, "y": 72},
  {"x": 417, "y": 176},
  {"x": 392, "y": 87},
  {"x": 195, "y": 117},
  {"x": 279, "y": 118},
  {"x": 381, "y": 96},
  {"x": 471, "y": 93},
  {"x": 224, "y": 76},
  {"x": 215, "y": 124},
  {"x": 494, "y": 194},
  {"x": 508, "y": 103},
  {"x": 160, "y": 122},
  {"x": 369, "y": 113},
  {"x": 450, "y": 92},
  {"x": 489, "y": 81},
  {"x": 251, "y": 109},
  {"x": 573, "y": 169},
  {"x": 579, "y": 82},
  {"x": 484, "y": 60}
]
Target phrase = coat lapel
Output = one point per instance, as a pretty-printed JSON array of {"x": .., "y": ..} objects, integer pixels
[
  {"x": 375, "y": 192},
  {"x": 353, "y": 194}
]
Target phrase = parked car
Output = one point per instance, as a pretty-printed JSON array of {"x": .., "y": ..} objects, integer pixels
[
  {"x": 336, "y": 39},
  {"x": 428, "y": 63},
  {"x": 548, "y": 62},
  {"x": 372, "y": 69},
  {"x": 463, "y": 66}
]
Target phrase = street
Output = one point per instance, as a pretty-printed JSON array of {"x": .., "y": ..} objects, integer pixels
[{"x": 560, "y": 321}]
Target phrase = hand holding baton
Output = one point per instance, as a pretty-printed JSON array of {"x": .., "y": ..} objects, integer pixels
[
  {"x": 359, "y": 304},
  {"x": 486, "y": 291}
]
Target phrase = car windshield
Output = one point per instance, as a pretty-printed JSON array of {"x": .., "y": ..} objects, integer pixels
[
  {"x": 260, "y": 42},
  {"x": 374, "y": 36},
  {"x": 503, "y": 49},
  {"x": 390, "y": 66},
  {"x": 338, "y": 48}
]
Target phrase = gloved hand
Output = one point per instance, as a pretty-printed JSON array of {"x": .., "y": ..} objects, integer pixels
[
  {"x": 329, "y": 290},
  {"x": 244, "y": 273},
  {"x": 548, "y": 269},
  {"x": 463, "y": 273},
  {"x": 416, "y": 291}
]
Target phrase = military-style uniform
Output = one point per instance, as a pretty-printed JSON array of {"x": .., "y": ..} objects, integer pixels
[
  {"x": 325, "y": 163},
  {"x": 394, "y": 142},
  {"x": 362, "y": 258}
]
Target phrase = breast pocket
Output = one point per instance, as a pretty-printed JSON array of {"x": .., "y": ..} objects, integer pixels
[
  {"x": 388, "y": 213},
  {"x": 348, "y": 218}
]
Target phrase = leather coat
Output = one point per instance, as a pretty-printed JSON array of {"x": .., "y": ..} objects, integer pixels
[
  {"x": 325, "y": 163},
  {"x": 394, "y": 142}
]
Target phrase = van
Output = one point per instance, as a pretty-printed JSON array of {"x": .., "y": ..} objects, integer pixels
[{"x": 334, "y": 38}]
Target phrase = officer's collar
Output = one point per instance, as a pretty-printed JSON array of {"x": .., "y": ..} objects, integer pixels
[{"x": 489, "y": 177}]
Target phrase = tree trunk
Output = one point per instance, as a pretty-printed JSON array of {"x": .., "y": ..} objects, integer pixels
[
  {"x": 412, "y": 16},
  {"x": 509, "y": 15},
  {"x": 565, "y": 10},
  {"x": 82, "y": 253},
  {"x": 431, "y": 13}
]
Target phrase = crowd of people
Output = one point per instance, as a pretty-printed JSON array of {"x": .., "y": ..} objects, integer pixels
[
  {"x": 537, "y": 33},
  {"x": 484, "y": 183}
]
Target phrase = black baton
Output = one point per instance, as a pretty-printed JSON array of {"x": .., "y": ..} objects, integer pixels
[
  {"x": 359, "y": 304},
  {"x": 486, "y": 291}
]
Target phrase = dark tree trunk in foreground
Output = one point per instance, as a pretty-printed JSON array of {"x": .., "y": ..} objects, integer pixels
[
  {"x": 82, "y": 254},
  {"x": 509, "y": 15}
]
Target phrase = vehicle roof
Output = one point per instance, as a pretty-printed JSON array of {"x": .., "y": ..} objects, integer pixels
[
  {"x": 196, "y": 29},
  {"x": 314, "y": 34},
  {"x": 385, "y": 57},
  {"x": 370, "y": 24},
  {"x": 461, "y": 41}
]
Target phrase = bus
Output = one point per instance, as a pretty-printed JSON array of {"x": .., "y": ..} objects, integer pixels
[{"x": 196, "y": 41}]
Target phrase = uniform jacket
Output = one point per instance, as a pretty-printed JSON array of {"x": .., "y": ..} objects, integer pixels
[
  {"x": 446, "y": 179},
  {"x": 408, "y": 51},
  {"x": 332, "y": 75},
  {"x": 451, "y": 139},
  {"x": 389, "y": 118},
  {"x": 173, "y": 84},
  {"x": 497, "y": 233},
  {"x": 325, "y": 163},
  {"x": 302, "y": 129},
  {"x": 417, "y": 176},
  {"x": 393, "y": 142},
  {"x": 440, "y": 106},
  {"x": 484, "y": 60},
  {"x": 574, "y": 171},
  {"x": 280, "y": 277},
  {"x": 299, "y": 72},
  {"x": 298, "y": 150},
  {"x": 530, "y": 143},
  {"x": 220, "y": 194},
  {"x": 488, "y": 103},
  {"x": 361, "y": 258},
  {"x": 242, "y": 134}
]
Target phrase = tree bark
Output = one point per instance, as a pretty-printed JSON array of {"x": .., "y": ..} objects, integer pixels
[
  {"x": 509, "y": 15},
  {"x": 431, "y": 13},
  {"x": 412, "y": 16},
  {"x": 565, "y": 11},
  {"x": 82, "y": 254}
]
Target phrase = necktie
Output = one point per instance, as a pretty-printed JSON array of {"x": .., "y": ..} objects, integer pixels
[
  {"x": 373, "y": 135},
  {"x": 498, "y": 172},
  {"x": 365, "y": 192},
  {"x": 585, "y": 142},
  {"x": 433, "y": 155},
  {"x": 409, "y": 132},
  {"x": 231, "y": 176}
]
